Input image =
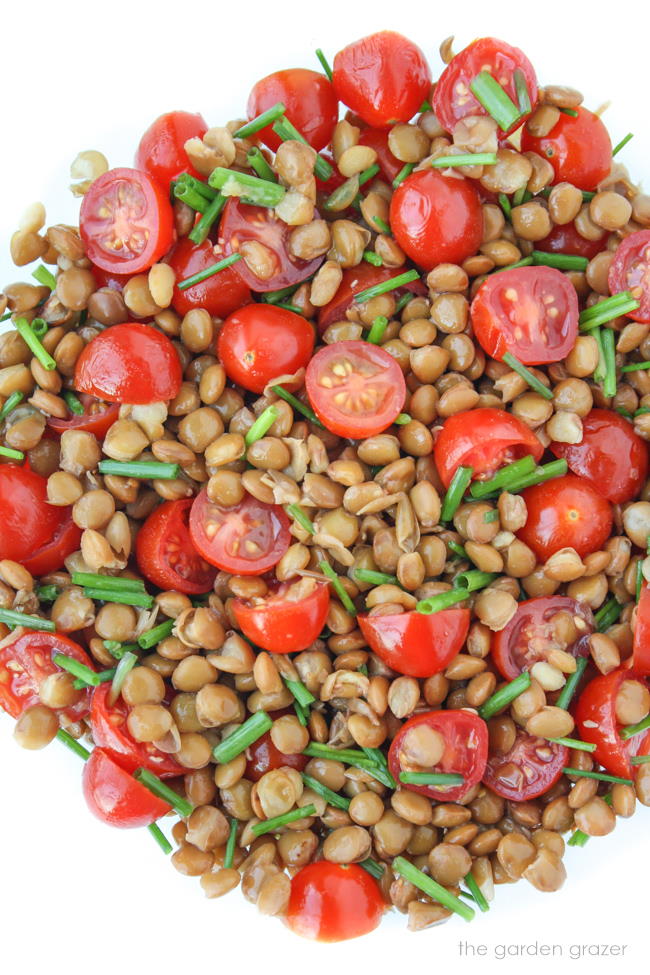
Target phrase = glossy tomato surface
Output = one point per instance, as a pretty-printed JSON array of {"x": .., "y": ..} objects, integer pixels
[
  {"x": 27, "y": 661},
  {"x": 565, "y": 513},
  {"x": 263, "y": 756},
  {"x": 334, "y": 902},
  {"x": 597, "y": 722},
  {"x": 96, "y": 418},
  {"x": 260, "y": 342},
  {"x": 246, "y": 539},
  {"x": 161, "y": 151},
  {"x": 377, "y": 139},
  {"x": 531, "y": 767},
  {"x": 354, "y": 280},
  {"x": 641, "y": 647},
  {"x": 565, "y": 239},
  {"x": 51, "y": 555},
  {"x": 531, "y": 634},
  {"x": 115, "y": 797},
  {"x": 630, "y": 271},
  {"x": 219, "y": 294},
  {"x": 579, "y": 149},
  {"x": 129, "y": 363},
  {"x": 27, "y": 520},
  {"x": 165, "y": 553},
  {"x": 417, "y": 644},
  {"x": 310, "y": 104},
  {"x": 286, "y": 620}
]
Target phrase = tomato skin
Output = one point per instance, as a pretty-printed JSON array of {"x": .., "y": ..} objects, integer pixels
[
  {"x": 543, "y": 762},
  {"x": 51, "y": 555},
  {"x": 596, "y": 720},
  {"x": 610, "y": 456},
  {"x": 565, "y": 513},
  {"x": 97, "y": 423},
  {"x": 28, "y": 521},
  {"x": 377, "y": 139},
  {"x": 115, "y": 797},
  {"x": 565, "y": 239},
  {"x": 33, "y": 651},
  {"x": 466, "y": 751},
  {"x": 129, "y": 363},
  {"x": 219, "y": 294},
  {"x": 417, "y": 644},
  {"x": 334, "y": 902},
  {"x": 484, "y": 439},
  {"x": 579, "y": 149},
  {"x": 641, "y": 647},
  {"x": 436, "y": 219},
  {"x": 383, "y": 78},
  {"x": 271, "y": 535},
  {"x": 530, "y": 622},
  {"x": 309, "y": 99},
  {"x": 630, "y": 271},
  {"x": 161, "y": 151},
  {"x": 282, "y": 625},
  {"x": 165, "y": 553},
  {"x": 261, "y": 342},
  {"x": 357, "y": 279},
  {"x": 511, "y": 312},
  {"x": 265, "y": 757}
]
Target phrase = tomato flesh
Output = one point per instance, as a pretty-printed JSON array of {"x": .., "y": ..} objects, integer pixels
[
  {"x": 284, "y": 621},
  {"x": 565, "y": 513},
  {"x": 531, "y": 767},
  {"x": 417, "y": 644},
  {"x": 115, "y": 797},
  {"x": 161, "y": 151},
  {"x": 377, "y": 139},
  {"x": 165, "y": 553},
  {"x": 220, "y": 294},
  {"x": 596, "y": 720},
  {"x": 264, "y": 757},
  {"x": 630, "y": 271},
  {"x": 565, "y": 239},
  {"x": 27, "y": 661},
  {"x": 310, "y": 105},
  {"x": 579, "y": 149},
  {"x": 530, "y": 635},
  {"x": 28, "y": 521},
  {"x": 246, "y": 539},
  {"x": 357, "y": 279},
  {"x": 52, "y": 554},
  {"x": 641, "y": 647},
  {"x": 261, "y": 342},
  {"x": 334, "y": 902},
  {"x": 96, "y": 418}
]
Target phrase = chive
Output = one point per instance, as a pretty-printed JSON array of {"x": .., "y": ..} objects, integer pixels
[
  {"x": 45, "y": 277},
  {"x": 191, "y": 197},
  {"x": 299, "y": 515},
  {"x": 608, "y": 614},
  {"x": 523, "y": 98},
  {"x": 324, "y": 63},
  {"x": 473, "y": 579},
  {"x": 160, "y": 789},
  {"x": 73, "y": 744},
  {"x": 95, "y": 579},
  {"x": 578, "y": 746},
  {"x": 77, "y": 669},
  {"x": 261, "y": 121},
  {"x": 600, "y": 776},
  {"x": 262, "y": 425},
  {"x": 154, "y": 636},
  {"x": 429, "y": 886},
  {"x": 273, "y": 297},
  {"x": 524, "y": 262},
  {"x": 140, "y": 469},
  {"x": 208, "y": 272},
  {"x": 285, "y": 130},
  {"x": 333, "y": 798},
  {"x": 198, "y": 185},
  {"x": 160, "y": 838},
  {"x": 247, "y": 733},
  {"x": 624, "y": 412},
  {"x": 376, "y": 333},
  {"x": 578, "y": 838},
  {"x": 403, "y": 302},
  {"x": 556, "y": 468},
  {"x": 521, "y": 196},
  {"x": 73, "y": 402},
  {"x": 405, "y": 171},
  {"x": 12, "y": 617},
  {"x": 465, "y": 159},
  {"x": 262, "y": 192},
  {"x": 425, "y": 106},
  {"x": 363, "y": 669},
  {"x": 386, "y": 286},
  {"x": 505, "y": 696},
  {"x": 431, "y": 778},
  {"x": 277, "y": 822},
  {"x": 229, "y": 855},
  {"x": 11, "y": 404},
  {"x": 505, "y": 205},
  {"x": 375, "y": 578},
  {"x": 640, "y": 760},
  {"x": 117, "y": 649},
  {"x": 128, "y": 598},
  {"x": 495, "y": 100},
  {"x": 47, "y": 594},
  {"x": 383, "y": 226},
  {"x": 297, "y": 405},
  {"x": 635, "y": 366},
  {"x": 476, "y": 892},
  {"x": 11, "y": 453},
  {"x": 442, "y": 600},
  {"x": 609, "y": 347},
  {"x": 376, "y": 755},
  {"x": 622, "y": 143},
  {"x": 27, "y": 333},
  {"x": 371, "y": 258},
  {"x": 569, "y": 111},
  {"x": 125, "y": 666},
  {"x": 564, "y": 262},
  {"x": 503, "y": 477},
  {"x": 527, "y": 375},
  {"x": 4, "y": 318},
  {"x": 257, "y": 161},
  {"x": 607, "y": 309},
  {"x": 491, "y": 515},
  {"x": 301, "y": 694},
  {"x": 459, "y": 484},
  {"x": 634, "y": 729},
  {"x": 346, "y": 755},
  {"x": 101, "y": 677},
  {"x": 337, "y": 585},
  {"x": 568, "y": 691},
  {"x": 301, "y": 713},
  {"x": 199, "y": 233},
  {"x": 601, "y": 369},
  {"x": 368, "y": 174},
  {"x": 293, "y": 308},
  {"x": 372, "y": 867}
]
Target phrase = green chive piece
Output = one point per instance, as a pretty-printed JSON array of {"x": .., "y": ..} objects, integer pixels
[
  {"x": 337, "y": 585},
  {"x": 635, "y": 366},
  {"x": 12, "y": 617},
  {"x": 257, "y": 161},
  {"x": 442, "y": 600},
  {"x": 434, "y": 890},
  {"x": 160, "y": 838},
  {"x": 140, "y": 469},
  {"x": 524, "y": 262},
  {"x": 527, "y": 375},
  {"x": 333, "y": 798},
  {"x": 73, "y": 402},
  {"x": 382, "y": 225},
  {"x": 198, "y": 185},
  {"x": 564, "y": 262},
  {"x": 262, "y": 425},
  {"x": 474, "y": 579},
  {"x": 262, "y": 192},
  {"x": 375, "y": 578},
  {"x": 101, "y": 677},
  {"x": 491, "y": 515},
  {"x": 386, "y": 286},
  {"x": 376, "y": 755},
  {"x": 125, "y": 666},
  {"x": 402, "y": 419},
  {"x": 609, "y": 348},
  {"x": 229, "y": 855},
  {"x": 368, "y": 174},
  {"x": 273, "y": 297},
  {"x": 347, "y": 755},
  {"x": 277, "y": 822},
  {"x": 608, "y": 614},
  {"x": 578, "y": 746},
  {"x": 459, "y": 484},
  {"x": 77, "y": 669},
  {"x": 523, "y": 98},
  {"x": 237, "y": 742},
  {"x": 403, "y": 302},
  {"x": 11, "y": 453},
  {"x": 640, "y": 760},
  {"x": 607, "y": 309},
  {"x": 371, "y": 258},
  {"x": 154, "y": 636},
  {"x": 622, "y": 143},
  {"x": 372, "y": 867},
  {"x": 601, "y": 369},
  {"x": 117, "y": 649},
  {"x": 634, "y": 729},
  {"x": 600, "y": 776},
  {"x": 521, "y": 196},
  {"x": 297, "y": 405},
  {"x": 578, "y": 838},
  {"x": 95, "y": 579},
  {"x": 465, "y": 159},
  {"x": 503, "y": 477},
  {"x": 476, "y": 893},
  {"x": 47, "y": 594},
  {"x": 405, "y": 171},
  {"x": 73, "y": 744},
  {"x": 505, "y": 205},
  {"x": 568, "y": 691},
  {"x": 45, "y": 277},
  {"x": 431, "y": 778},
  {"x": 186, "y": 193},
  {"x": 505, "y": 696},
  {"x": 299, "y": 515},
  {"x": 624, "y": 412},
  {"x": 425, "y": 106},
  {"x": 377, "y": 329},
  {"x": 27, "y": 333},
  {"x": 261, "y": 121},
  {"x": 11, "y": 404},
  {"x": 122, "y": 598},
  {"x": 569, "y": 111},
  {"x": 200, "y": 231},
  {"x": 302, "y": 713},
  {"x": 208, "y": 272},
  {"x": 285, "y": 130},
  {"x": 556, "y": 468},
  {"x": 301, "y": 694},
  {"x": 324, "y": 63},
  {"x": 495, "y": 100},
  {"x": 163, "y": 791}
]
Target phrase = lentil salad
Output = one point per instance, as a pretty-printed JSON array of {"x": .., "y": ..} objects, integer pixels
[{"x": 447, "y": 588}]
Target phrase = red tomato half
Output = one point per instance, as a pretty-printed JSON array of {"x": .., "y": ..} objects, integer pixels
[
  {"x": 334, "y": 902},
  {"x": 219, "y": 294},
  {"x": 27, "y": 661},
  {"x": 630, "y": 271},
  {"x": 161, "y": 152},
  {"x": 565, "y": 513},
  {"x": 247, "y": 539},
  {"x": 466, "y": 750},
  {"x": 611, "y": 456},
  {"x": 452, "y": 96},
  {"x": 260, "y": 342},
  {"x": 377, "y": 139},
  {"x": 110, "y": 732},
  {"x": 52, "y": 554},
  {"x": 115, "y": 797},
  {"x": 357, "y": 279},
  {"x": 129, "y": 363},
  {"x": 641, "y": 651},
  {"x": 383, "y": 78},
  {"x": 165, "y": 553},
  {"x": 126, "y": 221},
  {"x": 565, "y": 239},
  {"x": 309, "y": 100},
  {"x": 356, "y": 388},
  {"x": 284, "y": 621},
  {"x": 579, "y": 149},
  {"x": 530, "y": 312},
  {"x": 530, "y": 634},
  {"x": 27, "y": 520},
  {"x": 417, "y": 644},
  {"x": 436, "y": 218},
  {"x": 484, "y": 439},
  {"x": 96, "y": 418},
  {"x": 531, "y": 767},
  {"x": 597, "y": 723}
]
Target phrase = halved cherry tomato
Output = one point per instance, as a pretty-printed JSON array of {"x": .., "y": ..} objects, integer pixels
[
  {"x": 565, "y": 239},
  {"x": 452, "y": 97},
  {"x": 288, "y": 619},
  {"x": 630, "y": 271},
  {"x": 579, "y": 149},
  {"x": 52, "y": 554},
  {"x": 261, "y": 342},
  {"x": 219, "y": 294},
  {"x": 247, "y": 539},
  {"x": 565, "y": 513},
  {"x": 530, "y": 635},
  {"x": 531, "y": 767},
  {"x": 96, "y": 418},
  {"x": 356, "y": 388},
  {"x": 109, "y": 279},
  {"x": 530, "y": 312},
  {"x": 110, "y": 732},
  {"x": 242, "y": 224},
  {"x": 334, "y": 902},
  {"x": 309, "y": 99},
  {"x": 416, "y": 644},
  {"x": 165, "y": 553},
  {"x": 27, "y": 520},
  {"x": 27, "y": 661},
  {"x": 264, "y": 757},
  {"x": 115, "y": 797},
  {"x": 641, "y": 651},
  {"x": 129, "y": 363},
  {"x": 484, "y": 439},
  {"x": 436, "y": 218},
  {"x": 377, "y": 139},
  {"x": 161, "y": 151},
  {"x": 383, "y": 78},
  {"x": 466, "y": 750},
  {"x": 357, "y": 279},
  {"x": 596, "y": 720},
  {"x": 611, "y": 456},
  {"x": 126, "y": 221}
]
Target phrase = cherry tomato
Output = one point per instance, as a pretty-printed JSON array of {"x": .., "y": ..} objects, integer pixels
[
  {"x": 579, "y": 149},
  {"x": 466, "y": 749},
  {"x": 377, "y": 139},
  {"x": 630, "y": 271},
  {"x": 530, "y": 312},
  {"x": 246, "y": 539},
  {"x": 108, "y": 279},
  {"x": 436, "y": 219},
  {"x": 530, "y": 635},
  {"x": 531, "y": 767},
  {"x": 110, "y": 732},
  {"x": 261, "y": 342},
  {"x": 357, "y": 279},
  {"x": 310, "y": 102},
  {"x": 126, "y": 221},
  {"x": 356, "y": 388},
  {"x": 264, "y": 757},
  {"x": 597, "y": 722},
  {"x": 165, "y": 552},
  {"x": 27, "y": 520},
  {"x": 611, "y": 456},
  {"x": 565, "y": 513},
  {"x": 417, "y": 644},
  {"x": 129, "y": 363},
  {"x": 27, "y": 661},
  {"x": 453, "y": 99},
  {"x": 51, "y": 555},
  {"x": 96, "y": 418},
  {"x": 334, "y": 902},
  {"x": 161, "y": 152},
  {"x": 219, "y": 294},
  {"x": 383, "y": 78},
  {"x": 115, "y": 797},
  {"x": 565, "y": 239},
  {"x": 484, "y": 439},
  {"x": 641, "y": 651},
  {"x": 286, "y": 620}
]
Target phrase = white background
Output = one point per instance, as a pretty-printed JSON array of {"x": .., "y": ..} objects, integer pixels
[{"x": 75, "y": 895}]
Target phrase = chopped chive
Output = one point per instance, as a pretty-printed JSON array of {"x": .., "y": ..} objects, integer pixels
[
  {"x": 376, "y": 755},
  {"x": 442, "y": 600},
  {"x": 191, "y": 197},
  {"x": 346, "y": 755},
  {"x": 524, "y": 262},
  {"x": 569, "y": 111},
  {"x": 568, "y": 691},
  {"x": 476, "y": 892},
  {"x": 505, "y": 696},
  {"x": 624, "y": 412},
  {"x": 77, "y": 669},
  {"x": 607, "y": 309},
  {"x": 208, "y": 272},
  {"x": 578, "y": 746},
  {"x": 229, "y": 855},
  {"x": 45, "y": 277},
  {"x": 372, "y": 867},
  {"x": 299, "y": 515},
  {"x": 140, "y": 469},
  {"x": 403, "y": 302},
  {"x": 402, "y": 419},
  {"x": 262, "y": 425},
  {"x": 163, "y": 791},
  {"x": 377, "y": 329},
  {"x": 371, "y": 258},
  {"x": 635, "y": 366},
  {"x": 491, "y": 515},
  {"x": 297, "y": 405},
  {"x": 73, "y": 402},
  {"x": 527, "y": 375},
  {"x": 425, "y": 106},
  {"x": 11, "y": 404},
  {"x": 128, "y": 598},
  {"x": 608, "y": 614},
  {"x": 405, "y": 171},
  {"x": 601, "y": 369},
  {"x": 95, "y": 579},
  {"x": 465, "y": 159},
  {"x": 430, "y": 887},
  {"x": 622, "y": 143},
  {"x": 124, "y": 667},
  {"x": 640, "y": 760},
  {"x": 564, "y": 262},
  {"x": 200, "y": 231},
  {"x": 639, "y": 579},
  {"x": 237, "y": 742},
  {"x": 302, "y": 713},
  {"x": 277, "y": 822},
  {"x": 324, "y": 63},
  {"x": 609, "y": 348},
  {"x": 383, "y": 226},
  {"x": 117, "y": 649},
  {"x": 556, "y": 468},
  {"x": 337, "y": 585},
  {"x": 600, "y": 776},
  {"x": 363, "y": 669},
  {"x": 521, "y": 196},
  {"x": 375, "y": 578},
  {"x": 198, "y": 185},
  {"x": 634, "y": 729},
  {"x": 503, "y": 477},
  {"x": 285, "y": 130},
  {"x": 27, "y": 333},
  {"x": 261, "y": 121},
  {"x": 386, "y": 286},
  {"x": 368, "y": 174},
  {"x": 301, "y": 694},
  {"x": 459, "y": 484},
  {"x": 154, "y": 636},
  {"x": 160, "y": 838},
  {"x": 260, "y": 192},
  {"x": 431, "y": 778},
  {"x": 333, "y": 798},
  {"x": 474, "y": 579},
  {"x": 256, "y": 160},
  {"x": 11, "y": 453},
  {"x": 578, "y": 838},
  {"x": 495, "y": 100},
  {"x": 101, "y": 677},
  {"x": 379, "y": 772},
  {"x": 47, "y": 594},
  {"x": 273, "y": 297},
  {"x": 73, "y": 744},
  {"x": 12, "y": 617},
  {"x": 505, "y": 205},
  {"x": 523, "y": 98},
  {"x": 288, "y": 307},
  {"x": 4, "y": 318}
]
